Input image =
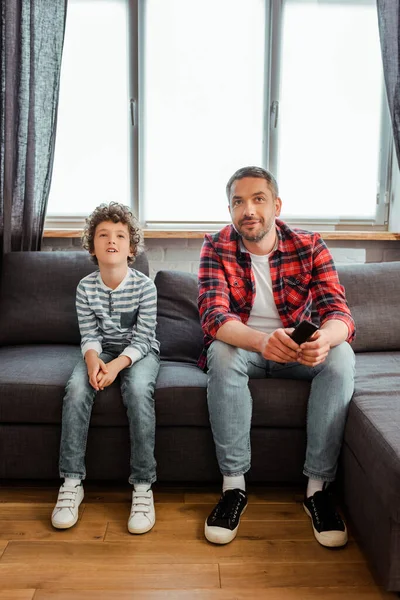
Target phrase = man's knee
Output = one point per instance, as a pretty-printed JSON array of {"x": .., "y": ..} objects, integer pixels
[
  {"x": 341, "y": 360},
  {"x": 222, "y": 355}
]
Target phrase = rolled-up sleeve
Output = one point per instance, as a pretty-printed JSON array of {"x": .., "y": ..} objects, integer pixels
[
  {"x": 328, "y": 294},
  {"x": 214, "y": 297}
]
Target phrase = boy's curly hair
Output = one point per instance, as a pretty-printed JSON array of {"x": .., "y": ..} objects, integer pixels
[{"x": 116, "y": 213}]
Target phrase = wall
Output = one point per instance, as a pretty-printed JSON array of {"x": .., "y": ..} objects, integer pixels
[{"x": 183, "y": 254}]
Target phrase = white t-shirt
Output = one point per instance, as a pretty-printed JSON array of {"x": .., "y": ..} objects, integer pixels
[{"x": 264, "y": 315}]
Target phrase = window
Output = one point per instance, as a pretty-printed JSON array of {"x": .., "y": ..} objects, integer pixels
[
  {"x": 162, "y": 100},
  {"x": 92, "y": 154},
  {"x": 329, "y": 138}
]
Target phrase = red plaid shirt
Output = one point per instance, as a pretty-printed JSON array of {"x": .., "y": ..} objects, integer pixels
[{"x": 302, "y": 272}]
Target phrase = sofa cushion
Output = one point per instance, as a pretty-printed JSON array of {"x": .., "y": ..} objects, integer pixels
[
  {"x": 178, "y": 330},
  {"x": 33, "y": 380},
  {"x": 37, "y": 296},
  {"x": 373, "y": 425},
  {"x": 373, "y": 292}
]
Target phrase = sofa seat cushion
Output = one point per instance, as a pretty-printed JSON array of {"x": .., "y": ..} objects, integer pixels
[
  {"x": 32, "y": 385},
  {"x": 33, "y": 380},
  {"x": 373, "y": 425},
  {"x": 181, "y": 399}
]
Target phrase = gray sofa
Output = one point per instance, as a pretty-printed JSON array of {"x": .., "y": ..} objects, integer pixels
[{"x": 39, "y": 346}]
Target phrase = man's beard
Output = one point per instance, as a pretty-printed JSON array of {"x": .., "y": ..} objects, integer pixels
[{"x": 250, "y": 237}]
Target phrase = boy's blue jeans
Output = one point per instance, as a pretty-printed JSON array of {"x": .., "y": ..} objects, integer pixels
[
  {"x": 230, "y": 405},
  {"x": 137, "y": 387}
]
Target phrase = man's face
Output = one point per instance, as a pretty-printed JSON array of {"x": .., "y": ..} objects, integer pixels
[
  {"x": 253, "y": 208},
  {"x": 111, "y": 243}
]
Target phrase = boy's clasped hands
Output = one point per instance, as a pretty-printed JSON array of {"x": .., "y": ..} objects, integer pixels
[{"x": 102, "y": 374}]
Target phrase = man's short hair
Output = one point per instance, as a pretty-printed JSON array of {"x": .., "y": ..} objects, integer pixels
[
  {"x": 116, "y": 213},
  {"x": 253, "y": 172}
]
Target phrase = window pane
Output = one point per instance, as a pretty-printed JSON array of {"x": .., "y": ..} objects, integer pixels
[
  {"x": 203, "y": 104},
  {"x": 91, "y": 163},
  {"x": 330, "y": 109}
]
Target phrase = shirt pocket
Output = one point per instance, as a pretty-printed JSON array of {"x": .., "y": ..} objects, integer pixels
[
  {"x": 297, "y": 287},
  {"x": 128, "y": 319},
  {"x": 240, "y": 289}
]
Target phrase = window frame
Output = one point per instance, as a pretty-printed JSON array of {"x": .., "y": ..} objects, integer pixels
[{"x": 272, "y": 59}]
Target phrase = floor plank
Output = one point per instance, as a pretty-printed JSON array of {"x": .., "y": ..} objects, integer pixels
[
  {"x": 42, "y": 530},
  {"x": 133, "y": 576},
  {"x": 41, "y": 511},
  {"x": 16, "y": 594},
  {"x": 301, "y": 574},
  {"x": 342, "y": 593},
  {"x": 180, "y": 552},
  {"x": 3, "y": 545}
]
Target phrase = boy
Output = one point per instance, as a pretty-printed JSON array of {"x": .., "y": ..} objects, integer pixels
[{"x": 116, "y": 309}]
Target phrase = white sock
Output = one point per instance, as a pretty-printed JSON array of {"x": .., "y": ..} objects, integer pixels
[
  {"x": 231, "y": 483},
  {"x": 314, "y": 485},
  {"x": 142, "y": 487},
  {"x": 72, "y": 481}
]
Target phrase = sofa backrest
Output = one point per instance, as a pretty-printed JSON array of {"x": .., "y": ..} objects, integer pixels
[
  {"x": 37, "y": 303},
  {"x": 373, "y": 293},
  {"x": 37, "y": 295}
]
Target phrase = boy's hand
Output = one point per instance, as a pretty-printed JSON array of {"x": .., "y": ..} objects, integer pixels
[
  {"x": 95, "y": 366},
  {"x": 113, "y": 368}
]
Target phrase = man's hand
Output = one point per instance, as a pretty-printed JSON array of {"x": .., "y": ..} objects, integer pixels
[
  {"x": 94, "y": 366},
  {"x": 280, "y": 347},
  {"x": 113, "y": 368},
  {"x": 315, "y": 351}
]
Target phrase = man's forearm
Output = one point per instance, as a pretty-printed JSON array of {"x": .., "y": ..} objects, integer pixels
[
  {"x": 237, "y": 334},
  {"x": 337, "y": 330}
]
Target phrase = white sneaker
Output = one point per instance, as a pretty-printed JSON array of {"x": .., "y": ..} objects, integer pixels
[
  {"x": 143, "y": 516},
  {"x": 65, "y": 513}
]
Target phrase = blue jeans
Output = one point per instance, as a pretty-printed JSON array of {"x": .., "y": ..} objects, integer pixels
[
  {"x": 137, "y": 387},
  {"x": 230, "y": 405}
]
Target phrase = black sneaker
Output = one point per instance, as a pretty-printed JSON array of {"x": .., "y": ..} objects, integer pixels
[
  {"x": 222, "y": 524},
  {"x": 329, "y": 528}
]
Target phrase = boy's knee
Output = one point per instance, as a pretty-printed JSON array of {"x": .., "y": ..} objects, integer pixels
[{"x": 135, "y": 391}]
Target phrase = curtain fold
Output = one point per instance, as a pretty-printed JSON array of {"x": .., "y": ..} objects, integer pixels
[
  {"x": 31, "y": 38},
  {"x": 389, "y": 31}
]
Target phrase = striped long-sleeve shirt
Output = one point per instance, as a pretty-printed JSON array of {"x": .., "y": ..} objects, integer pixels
[{"x": 124, "y": 316}]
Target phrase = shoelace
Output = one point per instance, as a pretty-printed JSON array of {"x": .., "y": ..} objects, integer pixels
[
  {"x": 228, "y": 506},
  {"x": 141, "y": 502},
  {"x": 325, "y": 512},
  {"x": 67, "y": 497}
]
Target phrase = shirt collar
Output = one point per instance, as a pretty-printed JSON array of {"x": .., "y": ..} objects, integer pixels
[{"x": 119, "y": 287}]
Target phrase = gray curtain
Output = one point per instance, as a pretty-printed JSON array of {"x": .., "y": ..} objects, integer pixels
[
  {"x": 31, "y": 42},
  {"x": 389, "y": 30}
]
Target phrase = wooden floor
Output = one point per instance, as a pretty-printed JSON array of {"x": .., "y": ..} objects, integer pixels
[{"x": 274, "y": 555}]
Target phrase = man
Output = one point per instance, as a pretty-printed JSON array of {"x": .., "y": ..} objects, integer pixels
[{"x": 257, "y": 281}]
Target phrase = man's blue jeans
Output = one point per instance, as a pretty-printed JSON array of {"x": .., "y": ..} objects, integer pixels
[
  {"x": 137, "y": 387},
  {"x": 230, "y": 405}
]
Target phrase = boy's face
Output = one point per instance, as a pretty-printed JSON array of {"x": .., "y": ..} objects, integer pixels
[{"x": 111, "y": 244}]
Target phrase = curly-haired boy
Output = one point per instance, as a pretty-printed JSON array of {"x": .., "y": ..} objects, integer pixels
[{"x": 116, "y": 308}]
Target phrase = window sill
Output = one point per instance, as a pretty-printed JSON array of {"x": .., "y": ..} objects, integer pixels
[{"x": 177, "y": 234}]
